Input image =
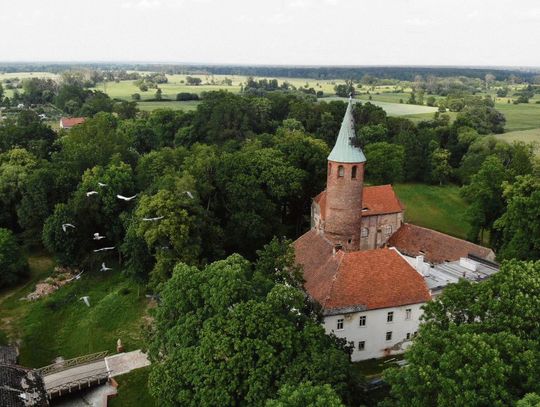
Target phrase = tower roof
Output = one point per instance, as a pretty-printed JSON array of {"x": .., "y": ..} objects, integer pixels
[{"x": 344, "y": 151}]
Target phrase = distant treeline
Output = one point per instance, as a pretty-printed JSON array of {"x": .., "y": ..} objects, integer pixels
[{"x": 406, "y": 73}]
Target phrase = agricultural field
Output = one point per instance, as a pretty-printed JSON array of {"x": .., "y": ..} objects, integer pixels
[{"x": 435, "y": 207}]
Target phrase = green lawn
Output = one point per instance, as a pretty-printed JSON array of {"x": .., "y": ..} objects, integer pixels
[
  {"x": 62, "y": 325},
  {"x": 133, "y": 390},
  {"x": 395, "y": 109},
  {"x": 436, "y": 207}
]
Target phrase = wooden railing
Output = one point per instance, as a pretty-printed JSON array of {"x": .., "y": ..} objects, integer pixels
[{"x": 67, "y": 364}]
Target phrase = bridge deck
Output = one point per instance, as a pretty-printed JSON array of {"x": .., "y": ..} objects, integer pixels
[{"x": 76, "y": 375}]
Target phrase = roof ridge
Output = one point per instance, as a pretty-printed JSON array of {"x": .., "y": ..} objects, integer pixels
[{"x": 334, "y": 278}]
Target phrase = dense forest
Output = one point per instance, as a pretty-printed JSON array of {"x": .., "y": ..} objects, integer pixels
[
  {"x": 200, "y": 207},
  {"x": 404, "y": 73}
]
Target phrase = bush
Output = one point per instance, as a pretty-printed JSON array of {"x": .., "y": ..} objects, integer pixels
[
  {"x": 183, "y": 96},
  {"x": 136, "y": 96}
]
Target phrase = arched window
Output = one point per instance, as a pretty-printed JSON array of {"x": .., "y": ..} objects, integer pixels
[
  {"x": 353, "y": 172},
  {"x": 364, "y": 232},
  {"x": 340, "y": 171},
  {"x": 329, "y": 169}
]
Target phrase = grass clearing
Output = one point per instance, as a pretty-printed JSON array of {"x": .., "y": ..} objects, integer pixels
[
  {"x": 435, "y": 207},
  {"x": 394, "y": 109},
  {"x": 61, "y": 325},
  {"x": 133, "y": 390}
]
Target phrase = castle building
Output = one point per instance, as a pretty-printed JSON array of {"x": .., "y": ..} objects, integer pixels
[{"x": 370, "y": 293}]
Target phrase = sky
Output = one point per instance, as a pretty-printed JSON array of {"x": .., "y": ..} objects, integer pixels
[{"x": 276, "y": 32}]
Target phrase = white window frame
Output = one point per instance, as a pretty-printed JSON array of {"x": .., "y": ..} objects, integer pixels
[
  {"x": 388, "y": 229},
  {"x": 363, "y": 348},
  {"x": 342, "y": 322},
  {"x": 363, "y": 318},
  {"x": 408, "y": 313},
  {"x": 386, "y": 336},
  {"x": 390, "y": 317}
]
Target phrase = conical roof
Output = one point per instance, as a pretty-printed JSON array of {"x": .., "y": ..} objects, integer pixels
[{"x": 344, "y": 151}]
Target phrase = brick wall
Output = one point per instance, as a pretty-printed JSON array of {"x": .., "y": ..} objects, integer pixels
[{"x": 343, "y": 215}]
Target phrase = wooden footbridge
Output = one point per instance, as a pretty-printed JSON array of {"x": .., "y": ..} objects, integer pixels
[{"x": 75, "y": 374}]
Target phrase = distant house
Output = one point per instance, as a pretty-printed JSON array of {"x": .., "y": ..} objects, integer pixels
[{"x": 68, "y": 122}]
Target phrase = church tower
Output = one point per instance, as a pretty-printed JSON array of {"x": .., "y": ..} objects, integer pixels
[{"x": 344, "y": 184}]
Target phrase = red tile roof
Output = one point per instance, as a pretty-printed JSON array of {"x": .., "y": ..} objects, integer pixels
[
  {"x": 369, "y": 279},
  {"x": 378, "y": 200},
  {"x": 68, "y": 122},
  {"x": 436, "y": 247}
]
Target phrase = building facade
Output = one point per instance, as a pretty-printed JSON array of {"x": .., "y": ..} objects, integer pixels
[{"x": 356, "y": 256}]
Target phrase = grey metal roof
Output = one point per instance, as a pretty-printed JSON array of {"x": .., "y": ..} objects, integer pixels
[
  {"x": 344, "y": 151},
  {"x": 439, "y": 276}
]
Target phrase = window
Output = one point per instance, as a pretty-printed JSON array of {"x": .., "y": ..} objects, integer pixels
[
  {"x": 389, "y": 336},
  {"x": 408, "y": 313},
  {"x": 364, "y": 232},
  {"x": 329, "y": 169},
  {"x": 408, "y": 335},
  {"x": 414, "y": 334},
  {"x": 353, "y": 172},
  {"x": 361, "y": 345},
  {"x": 339, "y": 324},
  {"x": 340, "y": 171},
  {"x": 390, "y": 316},
  {"x": 387, "y": 229},
  {"x": 362, "y": 320}
]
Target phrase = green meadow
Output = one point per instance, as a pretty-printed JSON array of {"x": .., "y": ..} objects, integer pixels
[
  {"x": 435, "y": 207},
  {"x": 62, "y": 325}
]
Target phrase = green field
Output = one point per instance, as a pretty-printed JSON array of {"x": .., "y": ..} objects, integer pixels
[
  {"x": 132, "y": 390},
  {"x": 526, "y": 136},
  {"x": 524, "y": 116},
  {"x": 435, "y": 207},
  {"x": 168, "y": 104},
  {"x": 396, "y": 109},
  {"x": 61, "y": 325}
]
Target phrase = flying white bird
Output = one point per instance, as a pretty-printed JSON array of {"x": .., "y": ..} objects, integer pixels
[
  {"x": 89, "y": 193},
  {"x": 189, "y": 194},
  {"x": 67, "y": 225},
  {"x": 153, "y": 219},
  {"x": 101, "y": 184},
  {"x": 97, "y": 236},
  {"x": 86, "y": 300},
  {"x": 77, "y": 277},
  {"x": 104, "y": 267},
  {"x": 126, "y": 198},
  {"x": 103, "y": 249}
]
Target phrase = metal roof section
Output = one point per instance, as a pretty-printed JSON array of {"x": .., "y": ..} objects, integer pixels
[
  {"x": 344, "y": 151},
  {"x": 438, "y": 276}
]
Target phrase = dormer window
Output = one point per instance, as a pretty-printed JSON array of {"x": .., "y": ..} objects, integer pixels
[
  {"x": 353, "y": 172},
  {"x": 341, "y": 171}
]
